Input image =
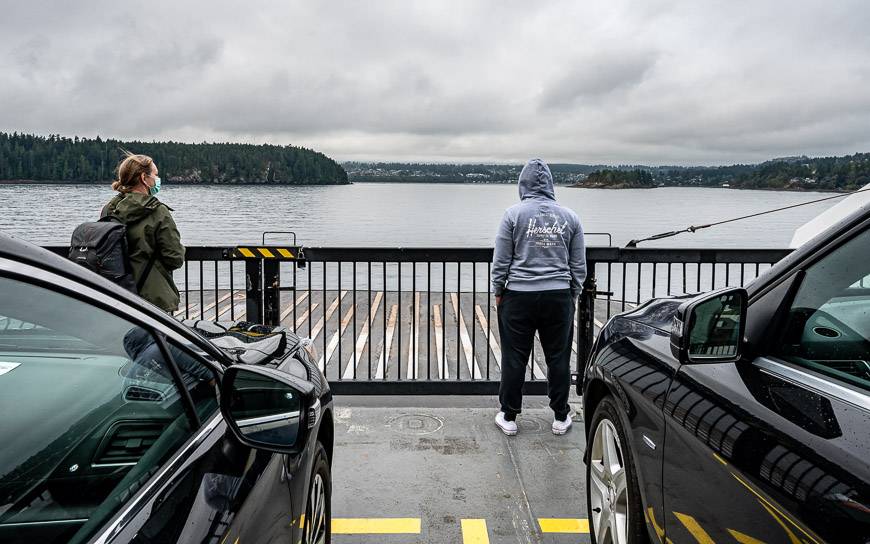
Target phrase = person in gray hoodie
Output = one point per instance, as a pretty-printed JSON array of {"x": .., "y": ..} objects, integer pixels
[{"x": 538, "y": 269}]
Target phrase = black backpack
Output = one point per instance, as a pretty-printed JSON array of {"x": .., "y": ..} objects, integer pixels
[{"x": 101, "y": 247}]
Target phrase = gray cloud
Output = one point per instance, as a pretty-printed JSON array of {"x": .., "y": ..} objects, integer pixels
[
  {"x": 596, "y": 77},
  {"x": 661, "y": 82}
]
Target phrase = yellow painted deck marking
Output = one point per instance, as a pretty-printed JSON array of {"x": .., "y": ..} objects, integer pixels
[
  {"x": 265, "y": 252},
  {"x": 384, "y": 359},
  {"x": 246, "y": 252},
  {"x": 564, "y": 525},
  {"x": 744, "y": 539},
  {"x": 376, "y": 526},
  {"x": 362, "y": 339},
  {"x": 493, "y": 345},
  {"x": 718, "y": 458},
  {"x": 285, "y": 253},
  {"x": 474, "y": 531},
  {"x": 651, "y": 517},
  {"x": 695, "y": 528}
]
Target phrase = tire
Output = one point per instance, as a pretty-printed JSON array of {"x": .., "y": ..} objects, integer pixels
[
  {"x": 615, "y": 495},
  {"x": 317, "y": 528}
]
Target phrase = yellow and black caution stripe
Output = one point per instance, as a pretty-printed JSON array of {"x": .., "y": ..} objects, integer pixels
[{"x": 284, "y": 253}]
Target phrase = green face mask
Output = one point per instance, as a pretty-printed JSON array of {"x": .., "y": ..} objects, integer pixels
[{"x": 156, "y": 189}]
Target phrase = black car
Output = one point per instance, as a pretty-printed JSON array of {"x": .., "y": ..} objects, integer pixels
[
  {"x": 120, "y": 424},
  {"x": 741, "y": 415}
]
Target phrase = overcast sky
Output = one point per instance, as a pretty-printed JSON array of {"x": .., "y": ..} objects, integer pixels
[{"x": 653, "y": 81}]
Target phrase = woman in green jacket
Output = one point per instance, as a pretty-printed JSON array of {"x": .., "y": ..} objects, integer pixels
[{"x": 151, "y": 231}]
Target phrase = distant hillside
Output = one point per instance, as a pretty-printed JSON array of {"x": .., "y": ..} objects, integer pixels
[
  {"x": 788, "y": 173},
  {"x": 83, "y": 160},
  {"x": 455, "y": 173},
  {"x": 846, "y": 173}
]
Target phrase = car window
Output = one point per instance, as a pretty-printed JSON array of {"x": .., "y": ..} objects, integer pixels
[
  {"x": 89, "y": 409},
  {"x": 828, "y": 325}
]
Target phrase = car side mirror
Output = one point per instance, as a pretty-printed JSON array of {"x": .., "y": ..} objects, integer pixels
[
  {"x": 268, "y": 409},
  {"x": 709, "y": 328}
]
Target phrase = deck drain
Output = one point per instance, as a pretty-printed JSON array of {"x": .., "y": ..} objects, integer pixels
[
  {"x": 415, "y": 424},
  {"x": 529, "y": 424}
]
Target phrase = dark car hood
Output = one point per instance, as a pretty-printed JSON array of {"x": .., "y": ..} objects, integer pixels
[{"x": 658, "y": 312}]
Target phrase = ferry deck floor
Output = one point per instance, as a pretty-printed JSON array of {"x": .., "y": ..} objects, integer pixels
[
  {"x": 437, "y": 469},
  {"x": 432, "y": 468}
]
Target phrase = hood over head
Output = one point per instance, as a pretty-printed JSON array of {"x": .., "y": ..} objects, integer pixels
[
  {"x": 536, "y": 181},
  {"x": 132, "y": 207}
]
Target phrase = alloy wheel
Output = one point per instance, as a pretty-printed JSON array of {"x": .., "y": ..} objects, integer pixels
[
  {"x": 609, "y": 486},
  {"x": 315, "y": 518}
]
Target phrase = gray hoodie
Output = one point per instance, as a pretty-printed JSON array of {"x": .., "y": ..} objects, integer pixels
[{"x": 539, "y": 245}]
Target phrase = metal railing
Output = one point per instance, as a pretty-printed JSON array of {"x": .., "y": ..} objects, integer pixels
[{"x": 423, "y": 320}]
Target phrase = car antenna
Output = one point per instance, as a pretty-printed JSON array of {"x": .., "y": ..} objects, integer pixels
[{"x": 693, "y": 228}]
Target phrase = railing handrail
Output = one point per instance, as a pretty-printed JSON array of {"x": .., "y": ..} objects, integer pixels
[{"x": 483, "y": 254}]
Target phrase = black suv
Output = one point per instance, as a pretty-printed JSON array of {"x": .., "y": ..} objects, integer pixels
[
  {"x": 741, "y": 415},
  {"x": 120, "y": 424}
]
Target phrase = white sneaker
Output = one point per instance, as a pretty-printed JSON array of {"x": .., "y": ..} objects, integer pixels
[
  {"x": 561, "y": 427},
  {"x": 507, "y": 427}
]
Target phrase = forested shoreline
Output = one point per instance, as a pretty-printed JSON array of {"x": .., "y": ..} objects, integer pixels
[
  {"x": 56, "y": 159},
  {"x": 845, "y": 173}
]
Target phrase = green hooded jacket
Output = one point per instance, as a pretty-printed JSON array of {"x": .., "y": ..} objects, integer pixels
[{"x": 150, "y": 229}]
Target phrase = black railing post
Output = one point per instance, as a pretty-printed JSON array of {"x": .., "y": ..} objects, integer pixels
[
  {"x": 253, "y": 291},
  {"x": 272, "y": 292},
  {"x": 585, "y": 321}
]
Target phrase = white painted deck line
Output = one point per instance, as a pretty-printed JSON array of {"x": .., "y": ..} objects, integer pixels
[
  {"x": 414, "y": 344},
  {"x": 192, "y": 309},
  {"x": 336, "y": 338},
  {"x": 385, "y": 352},
  {"x": 239, "y": 297},
  {"x": 356, "y": 356},
  {"x": 537, "y": 373},
  {"x": 209, "y": 306},
  {"x": 439, "y": 343},
  {"x": 301, "y": 319},
  {"x": 329, "y": 311},
  {"x": 493, "y": 344},
  {"x": 299, "y": 300},
  {"x": 470, "y": 358}
]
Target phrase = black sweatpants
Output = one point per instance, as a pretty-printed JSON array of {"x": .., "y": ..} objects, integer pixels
[{"x": 520, "y": 315}]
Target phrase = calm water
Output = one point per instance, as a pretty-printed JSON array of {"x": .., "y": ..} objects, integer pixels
[{"x": 413, "y": 214}]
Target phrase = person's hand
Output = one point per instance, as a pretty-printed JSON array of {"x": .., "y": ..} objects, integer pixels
[{"x": 498, "y": 300}]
